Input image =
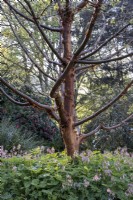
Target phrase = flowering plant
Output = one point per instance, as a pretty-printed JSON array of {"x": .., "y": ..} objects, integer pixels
[{"x": 56, "y": 176}]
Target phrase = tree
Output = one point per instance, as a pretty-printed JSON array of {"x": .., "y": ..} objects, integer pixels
[{"x": 66, "y": 55}]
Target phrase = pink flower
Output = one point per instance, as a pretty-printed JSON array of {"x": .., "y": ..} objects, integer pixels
[
  {"x": 96, "y": 178},
  {"x": 52, "y": 150}
]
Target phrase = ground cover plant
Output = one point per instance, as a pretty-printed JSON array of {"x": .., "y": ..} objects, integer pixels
[
  {"x": 61, "y": 49},
  {"x": 90, "y": 176}
]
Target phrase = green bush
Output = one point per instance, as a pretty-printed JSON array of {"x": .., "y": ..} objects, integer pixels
[
  {"x": 32, "y": 121},
  {"x": 11, "y": 137},
  {"x": 90, "y": 176}
]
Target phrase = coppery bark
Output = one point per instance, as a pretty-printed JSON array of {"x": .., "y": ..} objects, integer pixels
[{"x": 68, "y": 131}]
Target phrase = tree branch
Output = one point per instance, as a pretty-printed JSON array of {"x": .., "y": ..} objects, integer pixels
[
  {"x": 14, "y": 101},
  {"x": 74, "y": 58},
  {"x": 90, "y": 28},
  {"x": 24, "y": 6},
  {"x": 31, "y": 20},
  {"x": 105, "y": 60},
  {"x": 84, "y": 136},
  {"x": 123, "y": 122},
  {"x": 27, "y": 53},
  {"x": 94, "y": 65},
  {"x": 81, "y": 5},
  {"x": 108, "y": 40},
  {"x": 110, "y": 103},
  {"x": 30, "y": 35},
  {"x": 85, "y": 67},
  {"x": 50, "y": 110},
  {"x": 42, "y": 32},
  {"x": 61, "y": 78}
]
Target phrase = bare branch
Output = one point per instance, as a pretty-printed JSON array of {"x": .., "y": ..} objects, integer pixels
[
  {"x": 62, "y": 77},
  {"x": 94, "y": 65},
  {"x": 30, "y": 34},
  {"x": 31, "y": 20},
  {"x": 110, "y": 103},
  {"x": 81, "y": 5},
  {"x": 90, "y": 28},
  {"x": 27, "y": 53},
  {"x": 105, "y": 60},
  {"x": 106, "y": 42},
  {"x": 84, "y": 136},
  {"x": 42, "y": 32},
  {"x": 123, "y": 122},
  {"x": 85, "y": 67},
  {"x": 50, "y": 110},
  {"x": 14, "y": 101},
  {"x": 24, "y": 6}
]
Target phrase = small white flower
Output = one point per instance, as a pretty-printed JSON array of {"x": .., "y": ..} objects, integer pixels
[
  {"x": 96, "y": 178},
  {"x": 109, "y": 190},
  {"x": 19, "y": 147},
  {"x": 53, "y": 150},
  {"x": 86, "y": 183},
  {"x": 14, "y": 168},
  {"x": 69, "y": 180}
]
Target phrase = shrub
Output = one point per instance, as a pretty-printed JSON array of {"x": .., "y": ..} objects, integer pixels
[
  {"x": 11, "y": 137},
  {"x": 90, "y": 176},
  {"x": 31, "y": 119}
]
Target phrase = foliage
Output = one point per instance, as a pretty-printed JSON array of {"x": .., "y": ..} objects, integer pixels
[
  {"x": 65, "y": 50},
  {"x": 11, "y": 136},
  {"x": 91, "y": 175},
  {"x": 18, "y": 152},
  {"x": 110, "y": 140},
  {"x": 32, "y": 122}
]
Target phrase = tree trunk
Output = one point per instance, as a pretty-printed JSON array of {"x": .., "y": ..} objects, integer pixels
[
  {"x": 68, "y": 131},
  {"x": 70, "y": 139}
]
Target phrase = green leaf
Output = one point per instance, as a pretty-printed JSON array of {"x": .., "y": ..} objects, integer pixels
[
  {"x": 35, "y": 182},
  {"x": 131, "y": 21}
]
